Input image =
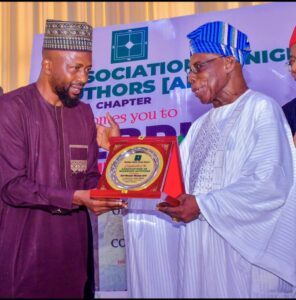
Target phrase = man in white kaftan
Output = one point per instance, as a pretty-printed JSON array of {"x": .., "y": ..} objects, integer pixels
[
  {"x": 240, "y": 169},
  {"x": 237, "y": 238}
]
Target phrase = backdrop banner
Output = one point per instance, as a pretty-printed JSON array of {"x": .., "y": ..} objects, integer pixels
[{"x": 138, "y": 75}]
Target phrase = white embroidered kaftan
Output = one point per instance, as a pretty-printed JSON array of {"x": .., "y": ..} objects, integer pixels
[{"x": 239, "y": 161}]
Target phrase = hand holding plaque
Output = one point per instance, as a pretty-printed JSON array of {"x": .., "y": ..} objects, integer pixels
[{"x": 141, "y": 168}]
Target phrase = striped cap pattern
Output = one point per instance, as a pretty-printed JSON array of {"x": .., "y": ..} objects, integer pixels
[
  {"x": 220, "y": 38},
  {"x": 67, "y": 35}
]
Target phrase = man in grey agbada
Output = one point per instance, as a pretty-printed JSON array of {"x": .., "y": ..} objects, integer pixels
[{"x": 290, "y": 107}]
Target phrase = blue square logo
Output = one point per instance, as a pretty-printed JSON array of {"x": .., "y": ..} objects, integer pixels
[{"x": 129, "y": 45}]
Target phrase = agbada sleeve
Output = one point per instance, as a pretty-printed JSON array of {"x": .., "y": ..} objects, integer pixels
[
  {"x": 246, "y": 211},
  {"x": 16, "y": 189}
]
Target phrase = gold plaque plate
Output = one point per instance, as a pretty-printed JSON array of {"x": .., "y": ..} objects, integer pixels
[
  {"x": 134, "y": 168},
  {"x": 141, "y": 167}
]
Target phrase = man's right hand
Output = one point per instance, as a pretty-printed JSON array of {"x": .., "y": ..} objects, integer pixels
[
  {"x": 105, "y": 133},
  {"x": 98, "y": 206},
  {"x": 186, "y": 212}
]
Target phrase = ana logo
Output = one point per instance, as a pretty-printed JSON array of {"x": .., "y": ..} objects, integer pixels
[
  {"x": 138, "y": 157},
  {"x": 129, "y": 45}
]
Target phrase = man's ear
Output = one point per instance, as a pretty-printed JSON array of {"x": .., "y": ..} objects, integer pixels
[
  {"x": 230, "y": 63},
  {"x": 47, "y": 66}
]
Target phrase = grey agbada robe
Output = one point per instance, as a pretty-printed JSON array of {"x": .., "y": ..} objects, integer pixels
[{"x": 46, "y": 153}]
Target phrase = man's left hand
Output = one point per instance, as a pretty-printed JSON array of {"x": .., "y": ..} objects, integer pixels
[
  {"x": 105, "y": 133},
  {"x": 186, "y": 212}
]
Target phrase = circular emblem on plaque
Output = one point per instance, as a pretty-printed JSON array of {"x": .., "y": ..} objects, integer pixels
[{"x": 134, "y": 167}]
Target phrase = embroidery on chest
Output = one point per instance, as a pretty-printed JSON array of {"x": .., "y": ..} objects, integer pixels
[{"x": 203, "y": 157}]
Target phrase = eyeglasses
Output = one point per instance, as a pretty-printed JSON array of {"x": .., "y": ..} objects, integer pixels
[
  {"x": 289, "y": 64},
  {"x": 196, "y": 68}
]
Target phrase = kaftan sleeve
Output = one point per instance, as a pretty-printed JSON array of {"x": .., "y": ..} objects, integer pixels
[{"x": 16, "y": 189}]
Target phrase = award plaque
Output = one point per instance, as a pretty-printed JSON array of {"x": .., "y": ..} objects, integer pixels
[{"x": 143, "y": 167}]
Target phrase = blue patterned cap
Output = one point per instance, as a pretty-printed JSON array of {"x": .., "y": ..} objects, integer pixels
[{"x": 220, "y": 38}]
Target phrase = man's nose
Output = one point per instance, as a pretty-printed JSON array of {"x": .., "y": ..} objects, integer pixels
[
  {"x": 83, "y": 76},
  {"x": 192, "y": 78}
]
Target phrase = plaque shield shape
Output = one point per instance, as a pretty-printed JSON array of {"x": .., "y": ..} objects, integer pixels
[{"x": 143, "y": 167}]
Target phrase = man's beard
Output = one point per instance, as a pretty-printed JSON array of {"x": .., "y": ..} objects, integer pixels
[{"x": 63, "y": 94}]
